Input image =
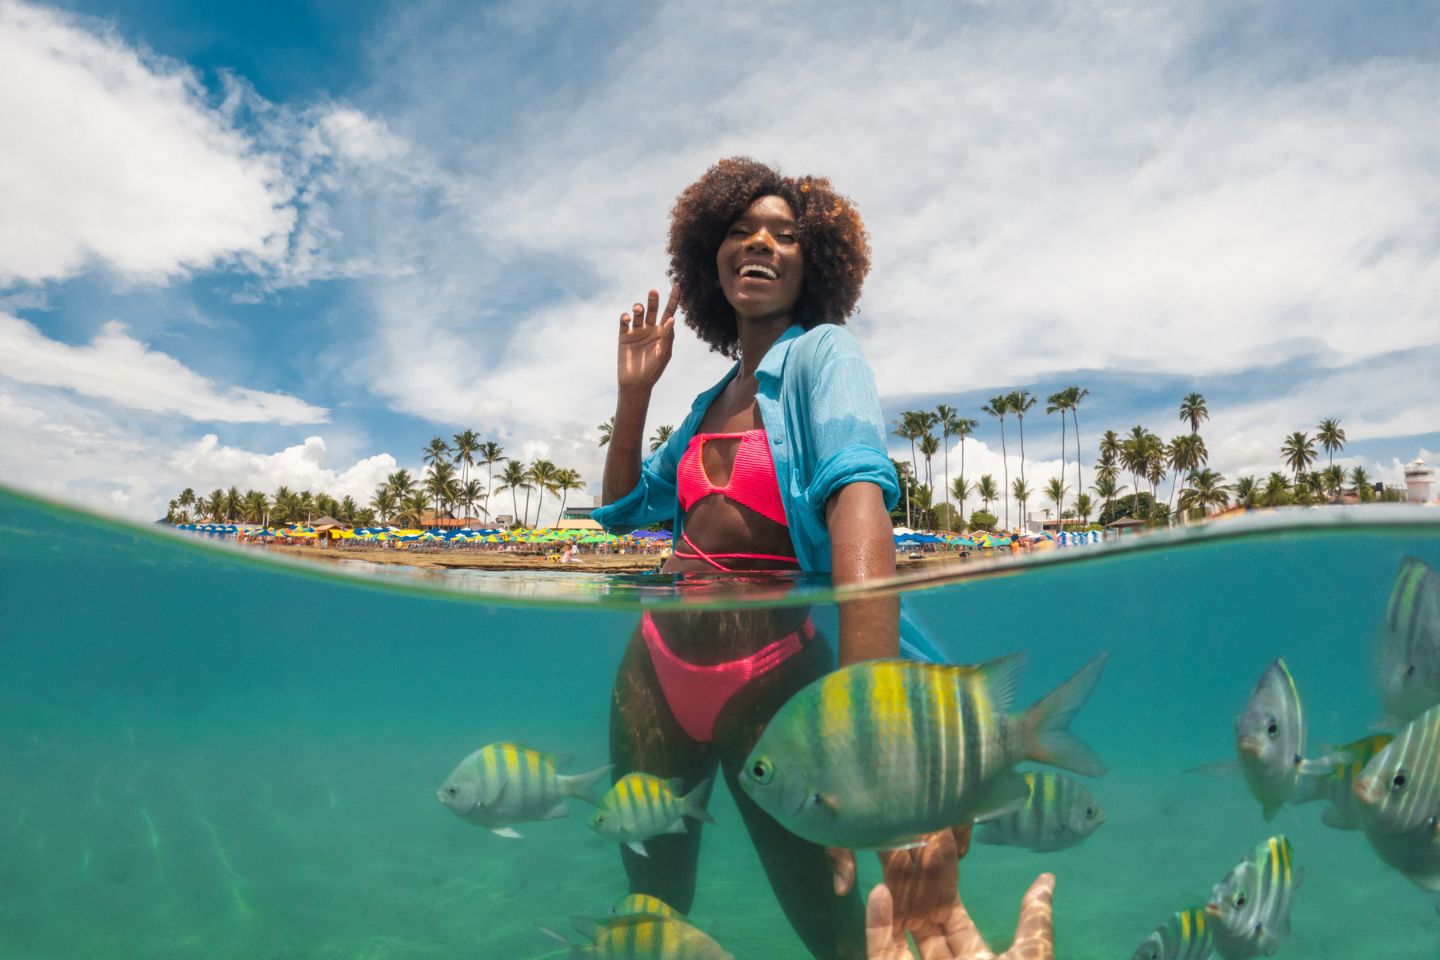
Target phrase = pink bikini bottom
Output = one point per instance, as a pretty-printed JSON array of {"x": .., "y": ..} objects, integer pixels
[{"x": 696, "y": 694}]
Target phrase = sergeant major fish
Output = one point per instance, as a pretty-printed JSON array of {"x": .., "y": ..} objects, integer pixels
[
  {"x": 1338, "y": 786},
  {"x": 640, "y": 937},
  {"x": 644, "y": 903},
  {"x": 1185, "y": 936},
  {"x": 504, "y": 783},
  {"x": 1270, "y": 740},
  {"x": 1399, "y": 795},
  {"x": 641, "y": 806},
  {"x": 1251, "y": 906},
  {"x": 880, "y": 752},
  {"x": 1410, "y": 643},
  {"x": 1058, "y": 813}
]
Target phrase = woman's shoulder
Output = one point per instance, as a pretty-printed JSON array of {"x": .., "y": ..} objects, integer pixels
[{"x": 827, "y": 341}]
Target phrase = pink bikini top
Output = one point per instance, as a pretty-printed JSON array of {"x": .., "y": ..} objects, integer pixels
[{"x": 752, "y": 478}]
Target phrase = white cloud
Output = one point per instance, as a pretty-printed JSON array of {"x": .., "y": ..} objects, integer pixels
[
  {"x": 112, "y": 154},
  {"x": 207, "y": 464},
  {"x": 118, "y": 369}
]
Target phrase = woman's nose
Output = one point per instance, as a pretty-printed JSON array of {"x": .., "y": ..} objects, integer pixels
[{"x": 760, "y": 239}]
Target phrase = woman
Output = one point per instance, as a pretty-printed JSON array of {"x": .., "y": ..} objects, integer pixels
[{"x": 781, "y": 466}]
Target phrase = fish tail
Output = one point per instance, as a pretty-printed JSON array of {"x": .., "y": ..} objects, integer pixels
[
  {"x": 1046, "y": 725},
  {"x": 584, "y": 786},
  {"x": 693, "y": 803}
]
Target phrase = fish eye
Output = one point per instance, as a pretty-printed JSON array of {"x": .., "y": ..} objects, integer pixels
[
  {"x": 1239, "y": 899},
  {"x": 762, "y": 771},
  {"x": 452, "y": 790},
  {"x": 1273, "y": 730},
  {"x": 1398, "y": 781},
  {"x": 1089, "y": 813}
]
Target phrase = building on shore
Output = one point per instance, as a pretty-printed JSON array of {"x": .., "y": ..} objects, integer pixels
[{"x": 1419, "y": 482}]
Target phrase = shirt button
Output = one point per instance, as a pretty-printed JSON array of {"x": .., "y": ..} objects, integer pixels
[{"x": 775, "y": 440}]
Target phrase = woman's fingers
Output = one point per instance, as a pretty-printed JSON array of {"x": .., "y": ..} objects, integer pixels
[
  {"x": 879, "y": 925},
  {"x": 652, "y": 307},
  {"x": 842, "y": 867},
  {"x": 672, "y": 303},
  {"x": 1035, "y": 931},
  {"x": 963, "y": 936}
]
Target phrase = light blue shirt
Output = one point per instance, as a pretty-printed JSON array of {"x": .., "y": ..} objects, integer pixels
[{"x": 821, "y": 413}]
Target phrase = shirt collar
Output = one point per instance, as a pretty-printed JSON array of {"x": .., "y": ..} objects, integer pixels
[{"x": 772, "y": 365}]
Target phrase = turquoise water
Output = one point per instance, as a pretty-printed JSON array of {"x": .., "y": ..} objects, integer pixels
[{"x": 203, "y": 754}]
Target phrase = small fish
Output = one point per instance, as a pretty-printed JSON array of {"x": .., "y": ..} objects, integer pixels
[
  {"x": 644, "y": 903},
  {"x": 1338, "y": 786},
  {"x": 1410, "y": 643},
  {"x": 1270, "y": 740},
  {"x": 640, "y": 937},
  {"x": 641, "y": 806},
  {"x": 1185, "y": 936},
  {"x": 878, "y": 753},
  {"x": 1250, "y": 908},
  {"x": 1399, "y": 796},
  {"x": 1058, "y": 813},
  {"x": 504, "y": 783}
]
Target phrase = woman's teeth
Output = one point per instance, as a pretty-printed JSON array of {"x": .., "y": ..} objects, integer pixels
[{"x": 756, "y": 270}]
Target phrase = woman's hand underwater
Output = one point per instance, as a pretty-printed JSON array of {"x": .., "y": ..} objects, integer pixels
[
  {"x": 646, "y": 339},
  {"x": 921, "y": 882},
  {"x": 956, "y": 937}
]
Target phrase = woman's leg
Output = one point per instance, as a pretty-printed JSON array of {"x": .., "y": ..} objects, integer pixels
[
  {"x": 831, "y": 927},
  {"x": 645, "y": 737}
]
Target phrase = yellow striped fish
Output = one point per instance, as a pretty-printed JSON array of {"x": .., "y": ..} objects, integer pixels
[
  {"x": 1399, "y": 796},
  {"x": 1338, "y": 786},
  {"x": 1250, "y": 908},
  {"x": 1185, "y": 936},
  {"x": 641, "y": 937},
  {"x": 504, "y": 783},
  {"x": 644, "y": 903},
  {"x": 1057, "y": 814},
  {"x": 1410, "y": 643},
  {"x": 641, "y": 806},
  {"x": 880, "y": 752}
]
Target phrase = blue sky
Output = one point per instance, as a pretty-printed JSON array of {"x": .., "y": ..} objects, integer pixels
[{"x": 288, "y": 243}]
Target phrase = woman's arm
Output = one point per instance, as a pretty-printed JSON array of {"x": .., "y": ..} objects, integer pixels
[
  {"x": 862, "y": 550},
  {"x": 644, "y": 351}
]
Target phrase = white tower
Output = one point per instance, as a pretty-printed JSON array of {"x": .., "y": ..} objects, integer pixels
[{"x": 1419, "y": 482}]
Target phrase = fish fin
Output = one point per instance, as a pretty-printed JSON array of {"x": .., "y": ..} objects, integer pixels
[
  {"x": 990, "y": 837},
  {"x": 555, "y": 812},
  {"x": 1269, "y": 813},
  {"x": 1334, "y": 818},
  {"x": 1002, "y": 676},
  {"x": 1322, "y": 765},
  {"x": 1425, "y": 881},
  {"x": 507, "y": 832},
  {"x": 639, "y": 848},
  {"x": 1308, "y": 789},
  {"x": 693, "y": 803},
  {"x": 904, "y": 843},
  {"x": 558, "y": 760},
  {"x": 587, "y": 927},
  {"x": 1298, "y": 876},
  {"x": 495, "y": 792},
  {"x": 553, "y": 935},
  {"x": 678, "y": 827},
  {"x": 1047, "y": 724},
  {"x": 1220, "y": 768},
  {"x": 1001, "y": 796},
  {"x": 829, "y": 803},
  {"x": 1386, "y": 725},
  {"x": 582, "y": 786}
]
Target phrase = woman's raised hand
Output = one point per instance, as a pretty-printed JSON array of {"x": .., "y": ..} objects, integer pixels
[{"x": 646, "y": 338}]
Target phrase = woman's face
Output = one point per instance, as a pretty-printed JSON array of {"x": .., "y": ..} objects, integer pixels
[{"x": 760, "y": 264}]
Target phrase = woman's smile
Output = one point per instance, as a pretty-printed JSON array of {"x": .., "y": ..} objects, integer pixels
[{"x": 760, "y": 263}]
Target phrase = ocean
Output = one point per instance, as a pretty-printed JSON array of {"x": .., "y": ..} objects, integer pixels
[{"x": 208, "y": 753}]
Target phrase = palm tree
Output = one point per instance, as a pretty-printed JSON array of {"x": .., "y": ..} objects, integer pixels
[
  {"x": 1205, "y": 489},
  {"x": 185, "y": 501},
  {"x": 412, "y": 508},
  {"x": 1247, "y": 492},
  {"x": 1059, "y": 402},
  {"x": 1074, "y": 395},
  {"x": 1332, "y": 481},
  {"x": 1193, "y": 410},
  {"x": 513, "y": 478},
  {"x": 1106, "y": 484},
  {"x": 348, "y": 509},
  {"x": 566, "y": 480},
  {"x": 214, "y": 505},
  {"x": 997, "y": 407},
  {"x": 929, "y": 446},
  {"x": 233, "y": 502},
  {"x": 440, "y": 484},
  {"x": 401, "y": 484},
  {"x": 383, "y": 500},
  {"x": 467, "y": 444},
  {"x": 607, "y": 430},
  {"x": 282, "y": 504},
  {"x": 255, "y": 508},
  {"x": 1185, "y": 454},
  {"x": 1020, "y": 404},
  {"x": 1111, "y": 447},
  {"x": 961, "y": 490},
  {"x": 1361, "y": 481},
  {"x": 1021, "y": 493},
  {"x": 986, "y": 490},
  {"x": 1084, "y": 506},
  {"x": 469, "y": 493},
  {"x": 490, "y": 453},
  {"x": 1298, "y": 452},
  {"x": 1277, "y": 489},
  {"x": 542, "y": 475},
  {"x": 1135, "y": 455},
  {"x": 436, "y": 450},
  {"x": 947, "y": 418},
  {"x": 1056, "y": 490},
  {"x": 1331, "y": 436},
  {"x": 662, "y": 433}
]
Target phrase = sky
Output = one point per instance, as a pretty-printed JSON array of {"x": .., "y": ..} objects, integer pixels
[{"x": 288, "y": 243}]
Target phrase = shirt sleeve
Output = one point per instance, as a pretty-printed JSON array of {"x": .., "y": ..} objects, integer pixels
[
  {"x": 653, "y": 500},
  {"x": 847, "y": 431}
]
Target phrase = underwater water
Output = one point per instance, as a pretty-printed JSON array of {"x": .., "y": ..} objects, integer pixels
[{"x": 203, "y": 753}]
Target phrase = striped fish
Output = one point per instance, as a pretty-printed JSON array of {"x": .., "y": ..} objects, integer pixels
[
  {"x": 504, "y": 783},
  {"x": 1270, "y": 739},
  {"x": 1185, "y": 936},
  {"x": 641, "y": 937},
  {"x": 1250, "y": 908},
  {"x": 1410, "y": 643},
  {"x": 644, "y": 903},
  {"x": 1399, "y": 796},
  {"x": 1338, "y": 786},
  {"x": 641, "y": 806},
  {"x": 880, "y": 752},
  {"x": 1058, "y": 813}
]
